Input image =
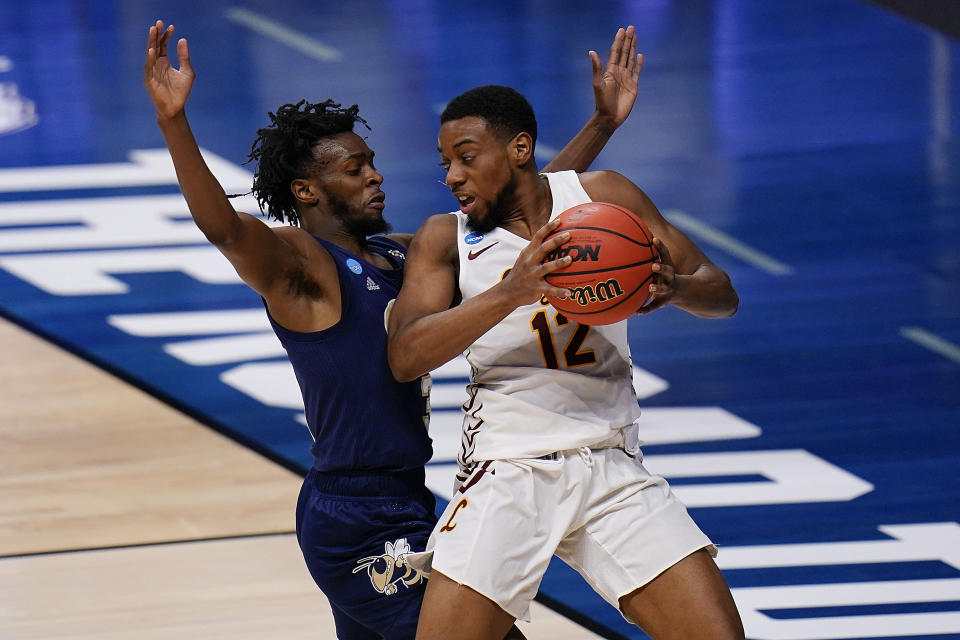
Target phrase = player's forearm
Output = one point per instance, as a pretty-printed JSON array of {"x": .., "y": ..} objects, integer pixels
[
  {"x": 208, "y": 203},
  {"x": 419, "y": 346},
  {"x": 584, "y": 147},
  {"x": 706, "y": 293}
]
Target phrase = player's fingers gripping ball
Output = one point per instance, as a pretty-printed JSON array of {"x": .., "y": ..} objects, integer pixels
[{"x": 612, "y": 262}]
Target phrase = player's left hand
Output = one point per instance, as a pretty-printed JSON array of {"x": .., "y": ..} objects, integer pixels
[
  {"x": 615, "y": 86},
  {"x": 665, "y": 283}
]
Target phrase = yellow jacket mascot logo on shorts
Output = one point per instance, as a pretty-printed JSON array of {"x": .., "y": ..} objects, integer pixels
[{"x": 384, "y": 569}]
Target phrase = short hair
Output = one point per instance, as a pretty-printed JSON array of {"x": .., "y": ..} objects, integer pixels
[
  {"x": 505, "y": 110},
  {"x": 283, "y": 151}
]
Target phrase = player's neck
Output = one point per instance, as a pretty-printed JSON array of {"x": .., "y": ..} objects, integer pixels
[
  {"x": 531, "y": 207},
  {"x": 333, "y": 230}
]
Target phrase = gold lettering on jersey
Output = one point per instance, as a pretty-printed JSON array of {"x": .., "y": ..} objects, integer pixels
[{"x": 451, "y": 525}]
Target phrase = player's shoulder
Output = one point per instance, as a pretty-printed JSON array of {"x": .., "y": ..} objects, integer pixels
[
  {"x": 403, "y": 239},
  {"x": 602, "y": 179},
  {"x": 440, "y": 225},
  {"x": 611, "y": 186},
  {"x": 437, "y": 237},
  {"x": 310, "y": 254}
]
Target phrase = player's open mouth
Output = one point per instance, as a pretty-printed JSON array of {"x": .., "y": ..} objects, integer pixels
[
  {"x": 376, "y": 201},
  {"x": 466, "y": 203}
]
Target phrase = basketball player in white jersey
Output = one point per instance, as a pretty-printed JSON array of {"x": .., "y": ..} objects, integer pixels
[{"x": 550, "y": 459}]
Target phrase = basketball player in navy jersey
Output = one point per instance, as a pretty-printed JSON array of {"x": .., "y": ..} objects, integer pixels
[
  {"x": 326, "y": 281},
  {"x": 550, "y": 459}
]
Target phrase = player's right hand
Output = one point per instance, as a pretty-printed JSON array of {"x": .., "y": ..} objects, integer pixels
[
  {"x": 168, "y": 87},
  {"x": 526, "y": 279},
  {"x": 615, "y": 86}
]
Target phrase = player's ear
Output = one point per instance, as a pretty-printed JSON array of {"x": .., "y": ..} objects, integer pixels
[
  {"x": 522, "y": 148},
  {"x": 304, "y": 191}
]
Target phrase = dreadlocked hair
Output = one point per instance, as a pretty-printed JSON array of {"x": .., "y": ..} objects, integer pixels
[{"x": 283, "y": 151}]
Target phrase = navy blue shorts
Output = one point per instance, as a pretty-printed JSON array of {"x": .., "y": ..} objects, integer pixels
[{"x": 354, "y": 529}]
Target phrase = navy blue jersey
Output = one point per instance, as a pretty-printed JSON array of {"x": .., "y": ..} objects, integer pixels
[{"x": 359, "y": 416}]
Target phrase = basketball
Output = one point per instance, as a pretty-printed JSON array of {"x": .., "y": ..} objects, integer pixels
[{"x": 612, "y": 268}]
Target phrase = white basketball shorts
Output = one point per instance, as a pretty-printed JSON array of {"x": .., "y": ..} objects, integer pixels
[{"x": 599, "y": 511}]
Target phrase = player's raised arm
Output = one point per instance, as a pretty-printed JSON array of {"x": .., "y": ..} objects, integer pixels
[
  {"x": 686, "y": 278},
  {"x": 425, "y": 329},
  {"x": 615, "y": 91},
  {"x": 256, "y": 252}
]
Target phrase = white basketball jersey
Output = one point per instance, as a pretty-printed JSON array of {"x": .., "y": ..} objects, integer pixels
[{"x": 539, "y": 382}]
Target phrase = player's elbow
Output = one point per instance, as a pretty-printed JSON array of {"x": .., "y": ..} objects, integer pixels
[
  {"x": 733, "y": 304},
  {"x": 729, "y": 300},
  {"x": 401, "y": 364},
  {"x": 717, "y": 299},
  {"x": 397, "y": 369},
  {"x": 403, "y": 372}
]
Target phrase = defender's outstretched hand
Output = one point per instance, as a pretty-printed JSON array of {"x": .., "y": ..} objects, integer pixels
[
  {"x": 615, "y": 86},
  {"x": 168, "y": 87}
]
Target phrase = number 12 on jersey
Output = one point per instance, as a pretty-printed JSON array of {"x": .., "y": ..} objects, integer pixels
[{"x": 572, "y": 354}]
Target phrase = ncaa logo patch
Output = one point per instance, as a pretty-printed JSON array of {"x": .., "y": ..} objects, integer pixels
[
  {"x": 473, "y": 238},
  {"x": 354, "y": 266}
]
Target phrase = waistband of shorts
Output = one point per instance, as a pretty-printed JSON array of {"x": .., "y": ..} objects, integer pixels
[
  {"x": 625, "y": 439},
  {"x": 369, "y": 482},
  {"x": 556, "y": 455}
]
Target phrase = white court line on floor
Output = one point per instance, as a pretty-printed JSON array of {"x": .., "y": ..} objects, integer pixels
[
  {"x": 293, "y": 39},
  {"x": 933, "y": 342},
  {"x": 717, "y": 238}
]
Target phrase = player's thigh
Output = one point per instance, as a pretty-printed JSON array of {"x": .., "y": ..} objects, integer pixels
[
  {"x": 635, "y": 528},
  {"x": 354, "y": 548},
  {"x": 452, "y": 610},
  {"x": 499, "y": 532},
  {"x": 688, "y": 601},
  {"x": 350, "y": 629}
]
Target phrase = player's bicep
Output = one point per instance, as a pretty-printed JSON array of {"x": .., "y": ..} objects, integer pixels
[
  {"x": 609, "y": 186},
  {"x": 429, "y": 280},
  {"x": 259, "y": 254},
  {"x": 687, "y": 257}
]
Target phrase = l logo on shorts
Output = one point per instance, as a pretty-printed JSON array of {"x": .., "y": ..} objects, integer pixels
[{"x": 451, "y": 525}]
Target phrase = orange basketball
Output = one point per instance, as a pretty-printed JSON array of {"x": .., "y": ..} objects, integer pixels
[{"x": 613, "y": 256}]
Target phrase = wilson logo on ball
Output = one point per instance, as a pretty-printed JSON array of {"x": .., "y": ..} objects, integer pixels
[
  {"x": 599, "y": 292},
  {"x": 577, "y": 252}
]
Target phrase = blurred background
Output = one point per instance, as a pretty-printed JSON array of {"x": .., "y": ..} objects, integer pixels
[{"x": 810, "y": 148}]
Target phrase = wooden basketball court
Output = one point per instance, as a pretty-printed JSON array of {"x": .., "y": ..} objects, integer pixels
[{"x": 122, "y": 518}]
